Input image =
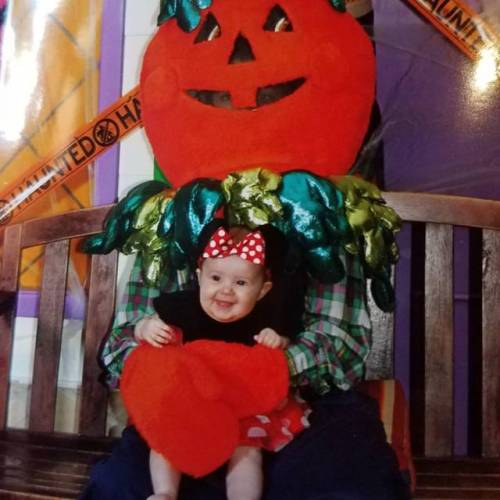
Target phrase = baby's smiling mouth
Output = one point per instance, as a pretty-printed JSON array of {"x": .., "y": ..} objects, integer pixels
[
  {"x": 265, "y": 95},
  {"x": 224, "y": 304}
]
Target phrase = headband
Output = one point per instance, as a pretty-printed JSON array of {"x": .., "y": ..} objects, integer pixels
[{"x": 251, "y": 248}]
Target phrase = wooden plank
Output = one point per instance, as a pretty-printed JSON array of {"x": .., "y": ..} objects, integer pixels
[
  {"x": 58, "y": 440},
  {"x": 380, "y": 361},
  {"x": 71, "y": 224},
  {"x": 48, "y": 337},
  {"x": 46, "y": 455},
  {"x": 445, "y": 209},
  {"x": 99, "y": 317},
  {"x": 6, "y": 494},
  {"x": 54, "y": 465},
  {"x": 46, "y": 478},
  {"x": 8, "y": 285},
  {"x": 439, "y": 340},
  {"x": 457, "y": 465},
  {"x": 456, "y": 494},
  {"x": 13, "y": 458},
  {"x": 36, "y": 489},
  {"x": 460, "y": 481},
  {"x": 458, "y": 478},
  {"x": 491, "y": 345}
]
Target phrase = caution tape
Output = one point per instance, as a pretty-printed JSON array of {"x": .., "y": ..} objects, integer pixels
[
  {"x": 459, "y": 23},
  {"x": 109, "y": 127}
]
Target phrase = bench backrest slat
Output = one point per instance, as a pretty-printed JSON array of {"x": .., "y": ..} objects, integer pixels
[
  {"x": 9, "y": 268},
  {"x": 48, "y": 337},
  {"x": 100, "y": 310},
  {"x": 439, "y": 340},
  {"x": 380, "y": 364},
  {"x": 491, "y": 344}
]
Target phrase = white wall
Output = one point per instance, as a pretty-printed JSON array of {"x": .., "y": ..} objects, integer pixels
[{"x": 136, "y": 158}]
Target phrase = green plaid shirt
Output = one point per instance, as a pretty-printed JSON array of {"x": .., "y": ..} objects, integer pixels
[{"x": 331, "y": 351}]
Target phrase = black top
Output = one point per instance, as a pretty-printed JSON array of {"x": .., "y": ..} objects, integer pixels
[
  {"x": 277, "y": 310},
  {"x": 183, "y": 309}
]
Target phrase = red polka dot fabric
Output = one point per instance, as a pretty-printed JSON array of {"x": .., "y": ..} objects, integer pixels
[{"x": 251, "y": 248}]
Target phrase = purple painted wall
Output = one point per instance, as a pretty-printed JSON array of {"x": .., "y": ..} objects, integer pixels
[
  {"x": 442, "y": 134},
  {"x": 111, "y": 67}
]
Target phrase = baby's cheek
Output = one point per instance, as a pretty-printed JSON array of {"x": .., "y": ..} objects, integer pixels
[{"x": 203, "y": 302}]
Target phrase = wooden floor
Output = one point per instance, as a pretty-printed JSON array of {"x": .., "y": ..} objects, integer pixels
[
  {"x": 31, "y": 466},
  {"x": 459, "y": 479}
]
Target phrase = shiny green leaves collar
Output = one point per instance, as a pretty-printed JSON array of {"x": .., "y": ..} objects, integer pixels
[{"x": 318, "y": 216}]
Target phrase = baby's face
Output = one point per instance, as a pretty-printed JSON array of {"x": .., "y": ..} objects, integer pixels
[{"x": 230, "y": 287}]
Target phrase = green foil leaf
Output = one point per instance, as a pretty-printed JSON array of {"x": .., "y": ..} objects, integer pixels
[
  {"x": 187, "y": 12},
  {"x": 314, "y": 221},
  {"x": 251, "y": 197},
  {"x": 194, "y": 206},
  {"x": 373, "y": 227},
  {"x": 119, "y": 223}
]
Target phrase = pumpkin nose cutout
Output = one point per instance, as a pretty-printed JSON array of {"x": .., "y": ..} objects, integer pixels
[{"x": 242, "y": 51}]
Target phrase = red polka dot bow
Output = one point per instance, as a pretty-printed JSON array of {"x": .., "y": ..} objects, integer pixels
[{"x": 251, "y": 248}]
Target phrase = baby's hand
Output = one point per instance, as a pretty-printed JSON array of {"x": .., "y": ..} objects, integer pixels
[
  {"x": 270, "y": 338},
  {"x": 154, "y": 331}
]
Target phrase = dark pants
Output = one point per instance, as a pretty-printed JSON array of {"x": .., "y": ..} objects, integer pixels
[{"x": 342, "y": 456}]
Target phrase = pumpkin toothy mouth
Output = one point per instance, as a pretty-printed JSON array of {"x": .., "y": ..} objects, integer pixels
[{"x": 264, "y": 96}]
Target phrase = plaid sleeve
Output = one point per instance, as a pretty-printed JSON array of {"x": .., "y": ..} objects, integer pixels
[
  {"x": 136, "y": 303},
  {"x": 332, "y": 349}
]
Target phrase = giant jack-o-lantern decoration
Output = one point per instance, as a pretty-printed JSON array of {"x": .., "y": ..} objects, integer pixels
[{"x": 279, "y": 84}]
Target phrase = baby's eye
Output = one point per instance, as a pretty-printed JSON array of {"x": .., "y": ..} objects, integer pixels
[
  {"x": 215, "y": 277},
  {"x": 241, "y": 282}
]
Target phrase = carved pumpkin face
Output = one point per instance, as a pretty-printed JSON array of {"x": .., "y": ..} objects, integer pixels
[{"x": 282, "y": 84}]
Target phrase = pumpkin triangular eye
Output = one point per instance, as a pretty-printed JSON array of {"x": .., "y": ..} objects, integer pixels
[
  {"x": 277, "y": 20},
  {"x": 209, "y": 31}
]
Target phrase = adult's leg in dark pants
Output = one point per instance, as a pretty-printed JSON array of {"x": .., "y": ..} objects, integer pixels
[
  {"x": 124, "y": 475},
  {"x": 342, "y": 456}
]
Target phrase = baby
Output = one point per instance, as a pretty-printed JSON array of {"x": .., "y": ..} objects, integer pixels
[{"x": 233, "y": 278}]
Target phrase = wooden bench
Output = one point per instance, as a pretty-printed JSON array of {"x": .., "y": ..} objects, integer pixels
[{"x": 40, "y": 463}]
